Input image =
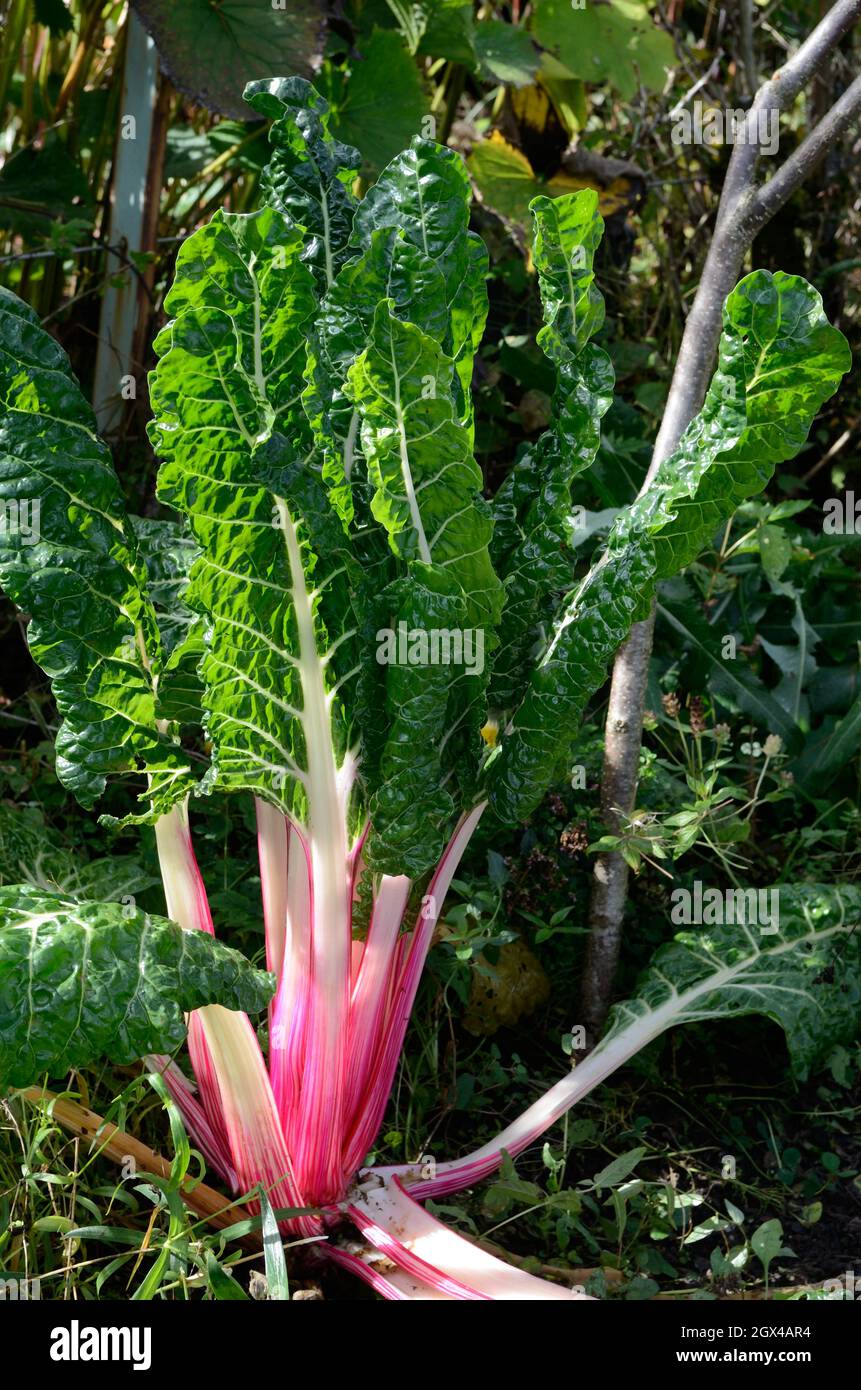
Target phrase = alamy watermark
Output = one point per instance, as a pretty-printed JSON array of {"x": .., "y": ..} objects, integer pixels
[
  {"x": 19, "y": 1290},
  {"x": 847, "y": 1288},
  {"x": 21, "y": 517},
  {"x": 699, "y": 124},
  {"x": 435, "y": 646},
  {"x": 77, "y": 1343},
  {"x": 842, "y": 515},
  {"x": 717, "y": 907}
]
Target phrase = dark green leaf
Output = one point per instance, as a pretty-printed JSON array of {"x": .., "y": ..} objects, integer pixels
[
  {"x": 533, "y": 507},
  {"x": 505, "y": 52},
  {"x": 210, "y": 51},
  {"x": 806, "y": 976},
  {"x": 779, "y": 359},
  {"x": 227, "y": 399},
  {"x": 54, "y": 15},
  {"x": 79, "y": 980},
  {"x": 381, "y": 107},
  {"x": 309, "y": 175},
  {"x": 75, "y": 568},
  {"x": 425, "y": 193},
  {"x": 615, "y": 42}
]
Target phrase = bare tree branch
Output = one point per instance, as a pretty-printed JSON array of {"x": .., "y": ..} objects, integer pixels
[
  {"x": 743, "y": 210},
  {"x": 618, "y": 790},
  {"x": 771, "y": 197},
  {"x": 777, "y": 94}
]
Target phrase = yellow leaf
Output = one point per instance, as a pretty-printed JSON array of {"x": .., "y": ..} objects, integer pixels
[
  {"x": 515, "y": 987},
  {"x": 507, "y": 183}
]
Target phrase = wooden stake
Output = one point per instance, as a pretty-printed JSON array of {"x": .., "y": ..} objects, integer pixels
[{"x": 213, "y": 1206}]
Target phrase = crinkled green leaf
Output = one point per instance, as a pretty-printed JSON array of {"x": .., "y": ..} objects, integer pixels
[
  {"x": 425, "y": 193},
  {"x": 426, "y": 482},
  {"x": 392, "y": 267},
  {"x": 413, "y": 248},
  {"x": 169, "y": 554},
  {"x": 806, "y": 976},
  {"x": 309, "y": 176},
  {"x": 115, "y": 878},
  {"x": 225, "y": 395},
  {"x": 80, "y": 980},
  {"x": 411, "y": 807},
  {"x": 228, "y": 424},
  {"x": 568, "y": 231},
  {"x": 595, "y": 621},
  {"x": 532, "y": 508},
  {"x": 24, "y": 836},
  {"x": 778, "y": 360},
  {"x": 427, "y": 497},
  {"x": 31, "y": 851},
  {"x": 73, "y": 564}
]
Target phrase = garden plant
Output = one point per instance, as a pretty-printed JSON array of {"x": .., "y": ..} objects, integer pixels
[{"x": 341, "y": 626}]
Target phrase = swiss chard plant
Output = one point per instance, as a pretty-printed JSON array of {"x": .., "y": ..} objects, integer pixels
[{"x": 377, "y": 653}]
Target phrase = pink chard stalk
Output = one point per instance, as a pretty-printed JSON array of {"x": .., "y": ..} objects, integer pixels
[{"x": 349, "y": 627}]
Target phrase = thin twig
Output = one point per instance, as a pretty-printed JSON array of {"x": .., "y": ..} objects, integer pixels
[
  {"x": 91, "y": 248},
  {"x": 748, "y": 55}
]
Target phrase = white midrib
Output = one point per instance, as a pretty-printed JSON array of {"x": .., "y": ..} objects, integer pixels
[
  {"x": 406, "y": 470},
  {"x": 326, "y": 818},
  {"x": 421, "y": 203},
  {"x": 322, "y": 1102},
  {"x": 327, "y": 235},
  {"x": 571, "y": 612},
  {"x": 259, "y": 375},
  {"x": 605, "y": 1060},
  {"x": 572, "y": 301},
  {"x": 350, "y": 444},
  {"x": 325, "y": 815}
]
